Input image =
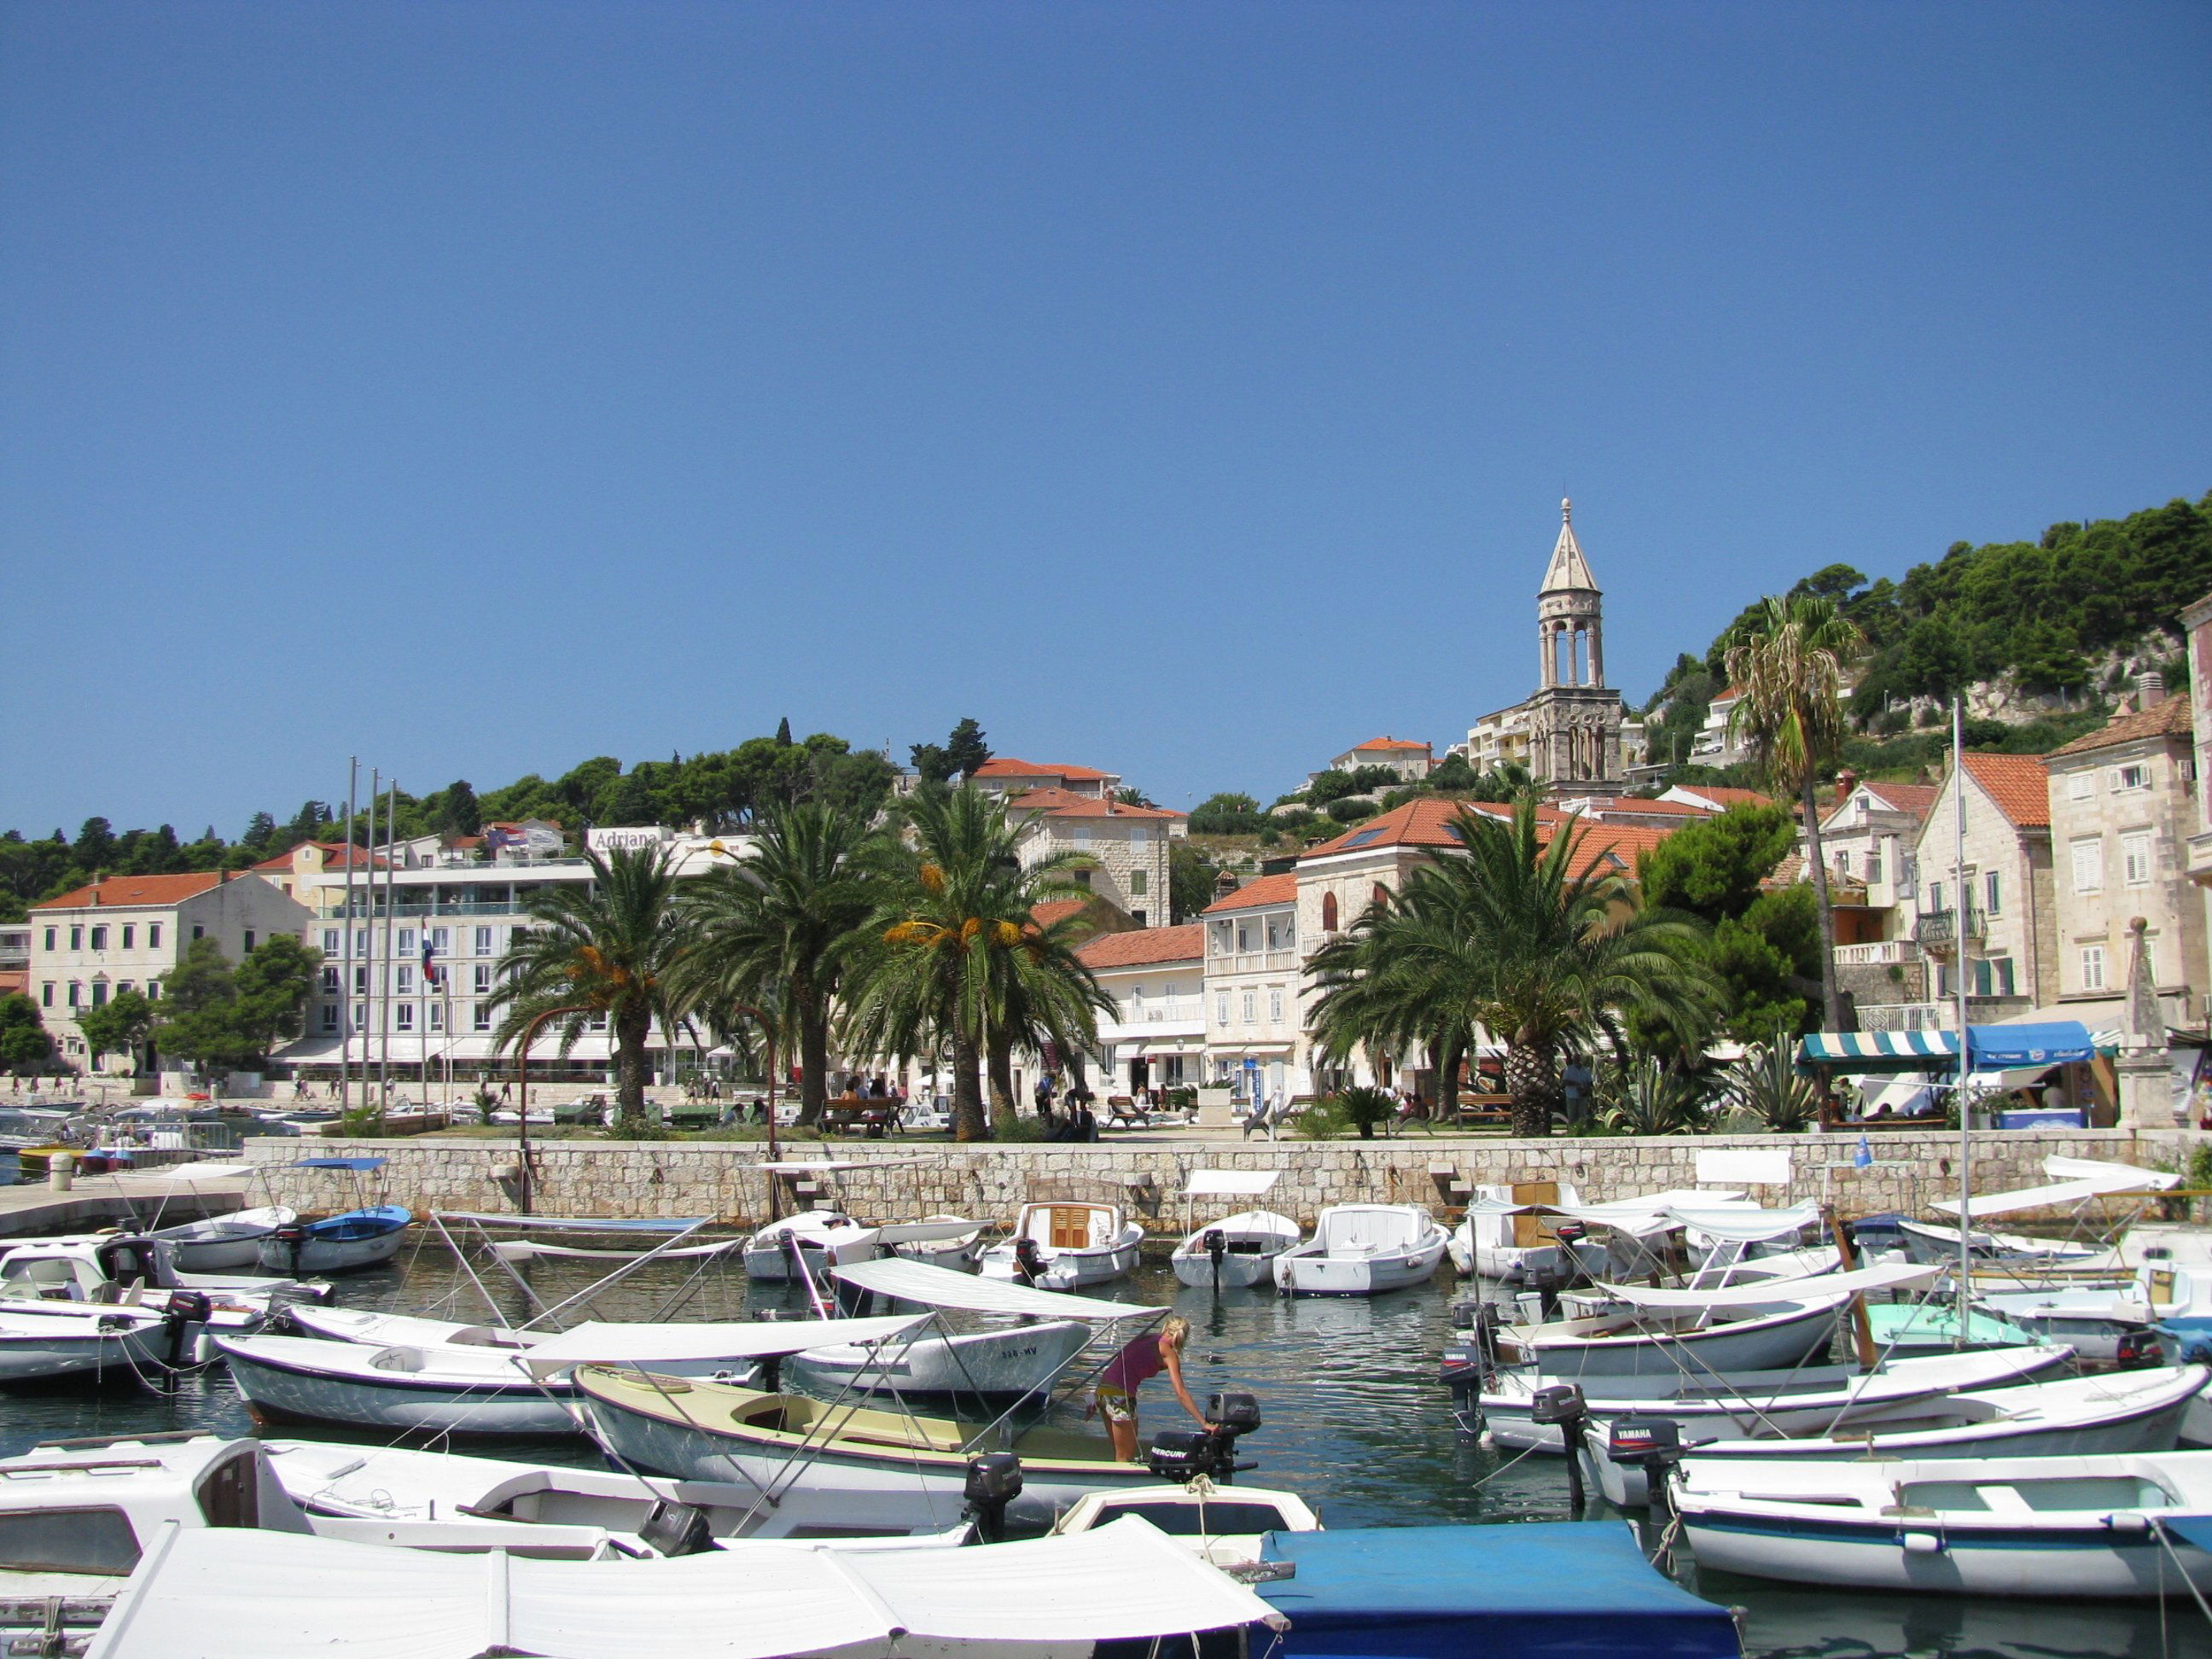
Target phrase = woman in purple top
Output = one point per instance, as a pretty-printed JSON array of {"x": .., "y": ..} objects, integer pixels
[{"x": 1141, "y": 1358}]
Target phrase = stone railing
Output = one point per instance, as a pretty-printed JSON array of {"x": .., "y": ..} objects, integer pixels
[{"x": 1878, "y": 952}]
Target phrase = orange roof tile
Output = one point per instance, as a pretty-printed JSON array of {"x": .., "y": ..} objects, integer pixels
[
  {"x": 1053, "y": 910},
  {"x": 1388, "y": 743},
  {"x": 335, "y": 856},
  {"x": 2017, "y": 783},
  {"x": 1281, "y": 889},
  {"x": 117, "y": 890},
  {"x": 1429, "y": 823},
  {"x": 1727, "y": 795},
  {"x": 1913, "y": 798},
  {"x": 1063, "y": 803},
  {"x": 2160, "y": 719},
  {"x": 1143, "y": 946},
  {"x": 1005, "y": 766}
]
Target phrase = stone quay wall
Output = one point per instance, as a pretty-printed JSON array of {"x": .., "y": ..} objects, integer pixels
[{"x": 887, "y": 1181}]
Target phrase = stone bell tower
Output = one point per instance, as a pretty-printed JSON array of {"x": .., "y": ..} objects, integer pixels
[{"x": 1575, "y": 717}]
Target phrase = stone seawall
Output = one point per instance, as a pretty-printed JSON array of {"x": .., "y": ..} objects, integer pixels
[{"x": 885, "y": 1182}]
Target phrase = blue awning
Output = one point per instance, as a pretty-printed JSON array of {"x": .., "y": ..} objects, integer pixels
[
  {"x": 339, "y": 1163},
  {"x": 1992, "y": 1047}
]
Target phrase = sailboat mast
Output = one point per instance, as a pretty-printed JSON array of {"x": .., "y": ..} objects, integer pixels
[{"x": 1959, "y": 957}]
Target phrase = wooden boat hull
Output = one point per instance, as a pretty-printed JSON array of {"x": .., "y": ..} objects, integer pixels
[{"x": 713, "y": 1431}]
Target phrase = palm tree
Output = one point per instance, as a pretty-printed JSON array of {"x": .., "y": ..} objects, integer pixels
[
  {"x": 1042, "y": 993},
  {"x": 1786, "y": 660},
  {"x": 772, "y": 933},
  {"x": 607, "y": 950},
  {"x": 1532, "y": 942},
  {"x": 953, "y": 950}
]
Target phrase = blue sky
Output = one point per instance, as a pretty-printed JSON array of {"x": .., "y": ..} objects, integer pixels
[{"x": 1183, "y": 389}]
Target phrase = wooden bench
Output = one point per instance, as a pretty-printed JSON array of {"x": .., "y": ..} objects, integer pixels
[{"x": 872, "y": 1115}]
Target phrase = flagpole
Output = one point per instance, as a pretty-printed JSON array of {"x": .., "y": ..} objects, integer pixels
[
  {"x": 384, "y": 1024},
  {"x": 346, "y": 953},
  {"x": 1959, "y": 911},
  {"x": 368, "y": 1003}
]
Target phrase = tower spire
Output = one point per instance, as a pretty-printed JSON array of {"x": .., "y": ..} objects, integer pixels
[{"x": 1569, "y": 572}]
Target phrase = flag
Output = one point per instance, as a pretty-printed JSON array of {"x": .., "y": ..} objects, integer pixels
[
  {"x": 429, "y": 967},
  {"x": 1864, "y": 1156}
]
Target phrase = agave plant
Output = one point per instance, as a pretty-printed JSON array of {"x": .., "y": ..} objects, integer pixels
[
  {"x": 1641, "y": 1097},
  {"x": 1765, "y": 1086}
]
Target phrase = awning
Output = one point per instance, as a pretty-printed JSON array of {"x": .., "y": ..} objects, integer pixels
[
  {"x": 1990, "y": 1048},
  {"x": 603, "y": 1343},
  {"x": 1230, "y": 1183},
  {"x": 1736, "y": 1224},
  {"x": 941, "y": 1287},
  {"x": 277, "y": 1596},
  {"x": 2079, "y": 1179},
  {"x": 1819, "y": 1287},
  {"x": 575, "y": 1223},
  {"x": 1648, "y": 1213},
  {"x": 356, "y": 1163}
]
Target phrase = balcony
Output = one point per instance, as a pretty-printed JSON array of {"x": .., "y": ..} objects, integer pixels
[
  {"x": 2200, "y": 859},
  {"x": 1941, "y": 1015},
  {"x": 1880, "y": 953},
  {"x": 1936, "y": 932}
]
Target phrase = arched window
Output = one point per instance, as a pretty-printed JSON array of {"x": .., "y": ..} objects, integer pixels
[
  {"x": 1382, "y": 894},
  {"x": 1328, "y": 914}
]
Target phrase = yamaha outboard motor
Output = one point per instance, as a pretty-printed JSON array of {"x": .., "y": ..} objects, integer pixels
[
  {"x": 1470, "y": 1360},
  {"x": 1561, "y": 1406},
  {"x": 994, "y": 1481},
  {"x": 1653, "y": 1444},
  {"x": 1029, "y": 1261}
]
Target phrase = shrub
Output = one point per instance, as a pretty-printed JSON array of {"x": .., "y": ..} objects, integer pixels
[
  {"x": 1767, "y": 1087},
  {"x": 1363, "y": 1108},
  {"x": 1643, "y": 1097}
]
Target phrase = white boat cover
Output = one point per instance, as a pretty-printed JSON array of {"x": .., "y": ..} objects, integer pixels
[
  {"x": 1648, "y": 1213},
  {"x": 922, "y": 1232},
  {"x": 277, "y": 1596},
  {"x": 2109, "y": 1178},
  {"x": 1733, "y": 1225},
  {"x": 601, "y": 1343},
  {"x": 1230, "y": 1183},
  {"x": 575, "y": 1223},
  {"x": 1819, "y": 1287},
  {"x": 941, "y": 1287}
]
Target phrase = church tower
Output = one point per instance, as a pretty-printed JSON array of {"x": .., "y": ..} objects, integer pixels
[{"x": 1574, "y": 718}]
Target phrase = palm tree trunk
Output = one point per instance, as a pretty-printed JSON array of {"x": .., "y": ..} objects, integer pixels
[
  {"x": 1532, "y": 1078},
  {"x": 813, "y": 1060},
  {"x": 968, "y": 1120},
  {"x": 630, "y": 1026},
  {"x": 1450, "y": 1047},
  {"x": 1831, "y": 996},
  {"x": 1001, "y": 1068}
]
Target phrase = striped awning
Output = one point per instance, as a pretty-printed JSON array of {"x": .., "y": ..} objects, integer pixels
[{"x": 1992, "y": 1047}]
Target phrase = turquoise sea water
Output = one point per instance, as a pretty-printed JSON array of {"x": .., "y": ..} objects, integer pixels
[{"x": 1356, "y": 1423}]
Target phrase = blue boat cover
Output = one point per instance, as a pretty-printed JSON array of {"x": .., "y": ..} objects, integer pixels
[
  {"x": 1993, "y": 1048},
  {"x": 1530, "y": 1590},
  {"x": 339, "y": 1163},
  {"x": 2192, "y": 1337},
  {"x": 2192, "y": 1528}
]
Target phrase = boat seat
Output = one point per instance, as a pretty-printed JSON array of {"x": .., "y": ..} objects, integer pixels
[{"x": 399, "y": 1360}]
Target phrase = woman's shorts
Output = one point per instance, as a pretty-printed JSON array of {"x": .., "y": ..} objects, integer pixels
[{"x": 1116, "y": 1404}]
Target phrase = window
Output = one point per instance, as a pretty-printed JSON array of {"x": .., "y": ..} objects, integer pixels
[
  {"x": 76, "y": 938},
  {"x": 1935, "y": 897},
  {"x": 76, "y": 994},
  {"x": 1992, "y": 894},
  {"x": 2081, "y": 786},
  {"x": 153, "y": 990},
  {"x": 1874, "y": 866},
  {"x": 361, "y": 979},
  {"x": 404, "y": 982},
  {"x": 86, "y": 1540},
  {"x": 46, "y": 994},
  {"x": 330, "y": 941},
  {"x": 1275, "y": 1004},
  {"x": 406, "y": 942},
  {"x": 152, "y": 935},
  {"x": 438, "y": 938},
  {"x": 437, "y": 1013},
  {"x": 2134, "y": 858},
  {"x": 2003, "y": 966},
  {"x": 1274, "y": 935},
  {"x": 483, "y": 942},
  {"x": 2092, "y": 967},
  {"x": 481, "y": 1020},
  {"x": 249, "y": 938},
  {"x": 1137, "y": 883},
  {"x": 1221, "y": 1007},
  {"x": 1244, "y": 936},
  {"x": 1329, "y": 913},
  {"x": 329, "y": 982},
  {"x": 330, "y": 1017},
  {"x": 2088, "y": 866},
  {"x": 198, "y": 931},
  {"x": 403, "y": 1016},
  {"x": 50, "y": 932},
  {"x": 1138, "y": 916},
  {"x": 1982, "y": 977},
  {"x": 480, "y": 981},
  {"x": 1251, "y": 1006},
  {"x": 100, "y": 937},
  {"x": 122, "y": 987},
  {"x": 359, "y": 1015},
  {"x": 128, "y": 933},
  {"x": 2131, "y": 777}
]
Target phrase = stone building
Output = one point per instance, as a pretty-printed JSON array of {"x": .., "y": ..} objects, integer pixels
[
  {"x": 1572, "y": 735},
  {"x": 2005, "y": 915},
  {"x": 1411, "y": 760},
  {"x": 2197, "y": 620},
  {"x": 1253, "y": 966},
  {"x": 2124, "y": 805},
  {"x": 1123, "y": 850}
]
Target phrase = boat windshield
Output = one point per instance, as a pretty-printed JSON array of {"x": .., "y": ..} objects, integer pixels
[{"x": 1208, "y": 1520}]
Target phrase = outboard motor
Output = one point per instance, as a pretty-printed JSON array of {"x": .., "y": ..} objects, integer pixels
[
  {"x": 1561, "y": 1406},
  {"x": 186, "y": 1309},
  {"x": 1653, "y": 1444},
  {"x": 994, "y": 1481},
  {"x": 1570, "y": 1234},
  {"x": 674, "y": 1528},
  {"x": 1470, "y": 1360},
  {"x": 1181, "y": 1455},
  {"x": 294, "y": 1238},
  {"x": 1029, "y": 1260},
  {"x": 2136, "y": 1349},
  {"x": 1216, "y": 1247}
]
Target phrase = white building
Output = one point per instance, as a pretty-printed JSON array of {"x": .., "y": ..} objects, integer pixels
[
  {"x": 1123, "y": 850},
  {"x": 1157, "y": 1036},
  {"x": 1253, "y": 1005},
  {"x": 1003, "y": 774},
  {"x": 1411, "y": 760}
]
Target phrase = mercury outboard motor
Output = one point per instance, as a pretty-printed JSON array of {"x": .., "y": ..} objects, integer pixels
[
  {"x": 1561, "y": 1406},
  {"x": 994, "y": 1481},
  {"x": 294, "y": 1237},
  {"x": 1216, "y": 1247},
  {"x": 1029, "y": 1261},
  {"x": 186, "y": 1309},
  {"x": 1181, "y": 1455}
]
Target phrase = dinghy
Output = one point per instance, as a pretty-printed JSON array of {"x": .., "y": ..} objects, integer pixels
[
  {"x": 45, "y": 1343},
  {"x": 1364, "y": 1249},
  {"x": 1228, "y": 1525},
  {"x": 1504, "y": 1237},
  {"x": 338, "y": 1244},
  {"x": 2102, "y": 1527},
  {"x": 1236, "y": 1252},
  {"x": 2117, "y": 1412},
  {"x": 830, "y": 1237},
  {"x": 223, "y": 1242},
  {"x": 1067, "y": 1246},
  {"x": 1907, "y": 1329},
  {"x": 1806, "y": 1400},
  {"x": 115, "y": 1267},
  {"x": 2096, "y": 1320}
]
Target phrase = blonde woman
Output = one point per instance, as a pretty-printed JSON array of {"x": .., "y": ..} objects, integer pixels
[{"x": 1141, "y": 1358}]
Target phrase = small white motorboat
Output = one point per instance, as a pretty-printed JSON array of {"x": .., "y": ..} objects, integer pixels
[
  {"x": 1067, "y": 1246},
  {"x": 2115, "y": 1412},
  {"x": 223, "y": 1242},
  {"x": 1803, "y": 1402},
  {"x": 2099, "y": 1528},
  {"x": 937, "y": 1241},
  {"x": 2096, "y": 1319},
  {"x": 1227, "y": 1525},
  {"x": 1236, "y": 1252},
  {"x": 828, "y": 1237},
  {"x": 115, "y": 1267},
  {"x": 1504, "y": 1237},
  {"x": 340, "y": 1243},
  {"x": 51, "y": 1341},
  {"x": 1364, "y": 1249}
]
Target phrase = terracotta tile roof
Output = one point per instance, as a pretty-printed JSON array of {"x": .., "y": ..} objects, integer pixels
[
  {"x": 1063, "y": 803},
  {"x": 1787, "y": 872},
  {"x": 1005, "y": 766},
  {"x": 119, "y": 890},
  {"x": 1266, "y": 890},
  {"x": 1725, "y": 795},
  {"x": 1053, "y": 910},
  {"x": 1143, "y": 946},
  {"x": 336, "y": 855},
  {"x": 1914, "y": 798},
  {"x": 2017, "y": 783},
  {"x": 2160, "y": 719},
  {"x": 1388, "y": 743},
  {"x": 1631, "y": 805},
  {"x": 1429, "y": 823}
]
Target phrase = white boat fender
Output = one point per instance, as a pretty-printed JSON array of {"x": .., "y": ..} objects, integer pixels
[
  {"x": 2129, "y": 1520},
  {"x": 1923, "y": 1543},
  {"x": 204, "y": 1351}
]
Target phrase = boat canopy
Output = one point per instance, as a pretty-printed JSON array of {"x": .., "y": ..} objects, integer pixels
[
  {"x": 1739, "y": 1225},
  {"x": 1650, "y": 1213},
  {"x": 2082, "y": 1179},
  {"x": 1229, "y": 1184},
  {"x": 339, "y": 1163},
  {"x": 276, "y": 1596},
  {"x": 2110, "y": 1176},
  {"x": 1530, "y": 1591},
  {"x": 923, "y": 1232},
  {"x": 577, "y": 1223},
  {"x": 1990, "y": 1047},
  {"x": 599, "y": 1342},
  {"x": 1763, "y": 1292},
  {"x": 941, "y": 1287}
]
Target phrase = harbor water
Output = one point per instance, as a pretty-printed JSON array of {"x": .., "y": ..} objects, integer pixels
[{"x": 1356, "y": 1423}]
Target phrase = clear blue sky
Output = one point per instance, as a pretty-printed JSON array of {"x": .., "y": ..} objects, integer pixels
[{"x": 1186, "y": 389}]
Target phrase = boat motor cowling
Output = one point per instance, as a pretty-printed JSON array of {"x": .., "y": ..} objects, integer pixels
[
  {"x": 1236, "y": 1414},
  {"x": 2136, "y": 1349},
  {"x": 1561, "y": 1406},
  {"x": 1181, "y": 1455},
  {"x": 1029, "y": 1260},
  {"x": 1655, "y": 1443},
  {"x": 673, "y": 1528},
  {"x": 994, "y": 1481}
]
